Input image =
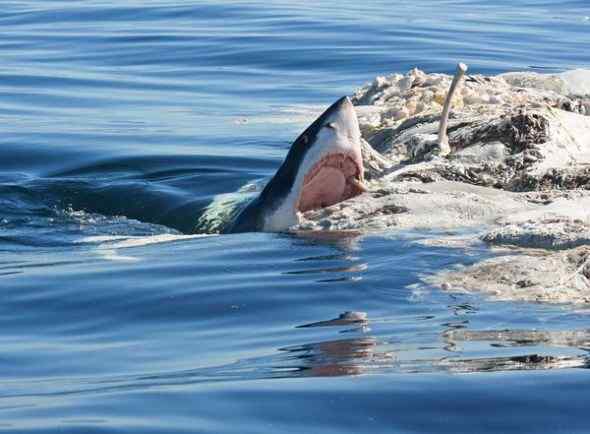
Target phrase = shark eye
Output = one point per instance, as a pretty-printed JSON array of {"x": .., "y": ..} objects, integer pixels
[{"x": 331, "y": 125}]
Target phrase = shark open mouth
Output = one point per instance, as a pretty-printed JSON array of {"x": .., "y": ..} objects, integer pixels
[{"x": 335, "y": 178}]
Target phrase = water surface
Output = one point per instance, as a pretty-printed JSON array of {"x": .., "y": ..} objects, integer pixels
[{"x": 121, "y": 121}]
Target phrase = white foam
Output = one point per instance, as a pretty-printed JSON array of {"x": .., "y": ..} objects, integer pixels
[
  {"x": 113, "y": 255},
  {"x": 220, "y": 211},
  {"x": 154, "y": 239},
  {"x": 109, "y": 245},
  {"x": 121, "y": 241},
  {"x": 291, "y": 115},
  {"x": 100, "y": 239},
  {"x": 577, "y": 81}
]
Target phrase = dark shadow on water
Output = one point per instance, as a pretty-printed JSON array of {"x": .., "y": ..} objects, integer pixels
[{"x": 171, "y": 191}]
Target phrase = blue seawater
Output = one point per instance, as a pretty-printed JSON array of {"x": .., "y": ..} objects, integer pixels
[{"x": 120, "y": 121}]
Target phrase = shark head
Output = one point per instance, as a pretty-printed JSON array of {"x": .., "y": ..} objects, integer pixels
[{"x": 324, "y": 166}]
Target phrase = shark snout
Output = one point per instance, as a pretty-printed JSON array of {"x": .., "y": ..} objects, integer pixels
[{"x": 343, "y": 117}]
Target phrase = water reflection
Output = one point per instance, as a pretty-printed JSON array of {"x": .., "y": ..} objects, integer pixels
[
  {"x": 514, "y": 363},
  {"x": 344, "y": 263},
  {"x": 339, "y": 357},
  {"x": 336, "y": 358},
  {"x": 522, "y": 338},
  {"x": 355, "y": 268},
  {"x": 543, "y": 343},
  {"x": 364, "y": 353},
  {"x": 346, "y": 318},
  {"x": 461, "y": 350},
  {"x": 348, "y": 241}
]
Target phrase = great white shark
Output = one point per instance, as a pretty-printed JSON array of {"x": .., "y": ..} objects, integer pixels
[{"x": 324, "y": 166}]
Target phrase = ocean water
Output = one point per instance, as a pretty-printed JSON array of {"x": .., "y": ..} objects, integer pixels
[{"x": 121, "y": 121}]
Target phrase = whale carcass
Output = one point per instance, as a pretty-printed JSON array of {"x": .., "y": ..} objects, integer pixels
[{"x": 516, "y": 174}]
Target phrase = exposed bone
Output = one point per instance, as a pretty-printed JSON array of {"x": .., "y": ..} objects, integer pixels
[
  {"x": 443, "y": 140},
  {"x": 358, "y": 184}
]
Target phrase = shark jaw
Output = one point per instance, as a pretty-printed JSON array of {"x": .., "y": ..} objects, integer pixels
[{"x": 335, "y": 178}]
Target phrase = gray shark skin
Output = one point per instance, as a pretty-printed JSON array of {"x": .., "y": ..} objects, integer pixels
[{"x": 275, "y": 209}]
